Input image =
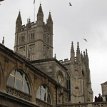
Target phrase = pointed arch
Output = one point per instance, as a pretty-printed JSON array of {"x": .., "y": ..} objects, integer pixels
[
  {"x": 43, "y": 93},
  {"x": 60, "y": 77}
]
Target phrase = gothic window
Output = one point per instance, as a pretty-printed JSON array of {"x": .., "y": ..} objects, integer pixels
[
  {"x": 18, "y": 80},
  {"x": 43, "y": 94},
  {"x": 31, "y": 48},
  {"x": 22, "y": 39},
  {"x": 22, "y": 50},
  {"x": 60, "y": 78},
  {"x": 69, "y": 88},
  {"x": 31, "y": 51},
  {"x": 32, "y": 37}
]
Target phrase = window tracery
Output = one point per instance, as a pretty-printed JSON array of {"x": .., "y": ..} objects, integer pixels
[
  {"x": 43, "y": 94},
  {"x": 32, "y": 37},
  {"x": 22, "y": 39},
  {"x": 18, "y": 80},
  {"x": 60, "y": 78}
]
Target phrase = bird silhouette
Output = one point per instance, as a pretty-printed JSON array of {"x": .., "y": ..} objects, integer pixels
[
  {"x": 70, "y": 4},
  {"x": 85, "y": 40}
]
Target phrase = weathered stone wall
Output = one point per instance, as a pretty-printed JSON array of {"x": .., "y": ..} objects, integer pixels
[{"x": 10, "y": 61}]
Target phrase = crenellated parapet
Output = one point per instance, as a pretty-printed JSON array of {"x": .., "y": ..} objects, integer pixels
[
  {"x": 77, "y": 57},
  {"x": 78, "y": 68}
]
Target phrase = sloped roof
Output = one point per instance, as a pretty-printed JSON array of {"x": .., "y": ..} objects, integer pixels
[
  {"x": 47, "y": 60},
  {"x": 105, "y": 83}
]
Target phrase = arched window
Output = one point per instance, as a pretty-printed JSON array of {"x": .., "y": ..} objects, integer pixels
[
  {"x": 69, "y": 89},
  {"x": 60, "y": 78},
  {"x": 43, "y": 94},
  {"x": 18, "y": 80}
]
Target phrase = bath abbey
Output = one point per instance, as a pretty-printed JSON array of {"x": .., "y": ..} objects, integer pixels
[{"x": 31, "y": 77}]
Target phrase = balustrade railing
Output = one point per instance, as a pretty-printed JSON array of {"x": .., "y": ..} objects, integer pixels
[
  {"x": 93, "y": 104},
  {"x": 18, "y": 93}
]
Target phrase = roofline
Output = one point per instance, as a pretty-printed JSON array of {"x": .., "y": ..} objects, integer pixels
[
  {"x": 19, "y": 57},
  {"x": 49, "y": 59},
  {"x": 105, "y": 83},
  {"x": 6, "y": 96}
]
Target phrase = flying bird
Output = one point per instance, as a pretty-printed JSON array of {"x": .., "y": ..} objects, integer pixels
[
  {"x": 70, "y": 4},
  {"x": 85, "y": 40}
]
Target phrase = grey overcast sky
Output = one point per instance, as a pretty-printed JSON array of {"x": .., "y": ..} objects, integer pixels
[{"x": 85, "y": 19}]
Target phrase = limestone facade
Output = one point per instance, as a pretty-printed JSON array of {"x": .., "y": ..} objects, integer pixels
[
  {"x": 32, "y": 76},
  {"x": 35, "y": 42},
  {"x": 13, "y": 66}
]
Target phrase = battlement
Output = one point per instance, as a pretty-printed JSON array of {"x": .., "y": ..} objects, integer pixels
[{"x": 65, "y": 61}]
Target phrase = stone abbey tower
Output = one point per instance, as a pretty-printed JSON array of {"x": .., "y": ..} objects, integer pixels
[{"x": 35, "y": 42}]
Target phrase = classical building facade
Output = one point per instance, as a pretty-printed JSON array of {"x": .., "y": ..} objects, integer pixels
[{"x": 30, "y": 76}]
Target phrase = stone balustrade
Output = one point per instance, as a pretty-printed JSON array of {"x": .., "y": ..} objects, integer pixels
[
  {"x": 93, "y": 104},
  {"x": 18, "y": 93}
]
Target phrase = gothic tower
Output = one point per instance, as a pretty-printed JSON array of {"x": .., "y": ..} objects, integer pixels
[
  {"x": 34, "y": 40},
  {"x": 78, "y": 68}
]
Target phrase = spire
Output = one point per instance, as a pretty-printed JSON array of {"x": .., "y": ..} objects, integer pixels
[
  {"x": 87, "y": 59},
  {"x": 72, "y": 47},
  {"x": 78, "y": 50},
  {"x": 28, "y": 23},
  {"x": 40, "y": 9},
  {"x": 86, "y": 53},
  {"x": 49, "y": 20},
  {"x": 40, "y": 13},
  {"x": 72, "y": 53},
  {"x": 19, "y": 20},
  {"x": 50, "y": 24},
  {"x": 81, "y": 56},
  {"x": 78, "y": 54}
]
